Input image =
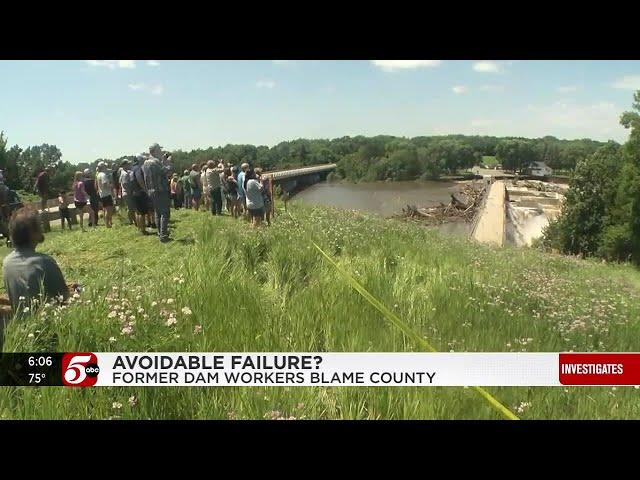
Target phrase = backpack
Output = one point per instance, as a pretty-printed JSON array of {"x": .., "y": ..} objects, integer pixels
[
  {"x": 127, "y": 182},
  {"x": 131, "y": 184}
]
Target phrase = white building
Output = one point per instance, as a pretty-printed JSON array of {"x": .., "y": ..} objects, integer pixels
[{"x": 540, "y": 169}]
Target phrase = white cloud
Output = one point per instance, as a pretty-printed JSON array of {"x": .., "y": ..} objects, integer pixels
[
  {"x": 265, "y": 84},
  {"x": 153, "y": 63},
  {"x": 460, "y": 89},
  {"x": 628, "y": 82},
  {"x": 491, "y": 88},
  {"x": 596, "y": 120},
  {"x": 112, "y": 64},
  {"x": 567, "y": 89},
  {"x": 487, "y": 67},
  {"x": 393, "y": 65},
  {"x": 155, "y": 89}
]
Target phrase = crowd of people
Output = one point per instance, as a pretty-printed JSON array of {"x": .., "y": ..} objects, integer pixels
[
  {"x": 149, "y": 187},
  {"x": 148, "y": 190}
]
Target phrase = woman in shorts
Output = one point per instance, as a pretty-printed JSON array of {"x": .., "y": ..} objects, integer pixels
[
  {"x": 80, "y": 199},
  {"x": 255, "y": 201}
]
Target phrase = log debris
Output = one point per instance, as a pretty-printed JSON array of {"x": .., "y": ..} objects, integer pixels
[{"x": 461, "y": 208}]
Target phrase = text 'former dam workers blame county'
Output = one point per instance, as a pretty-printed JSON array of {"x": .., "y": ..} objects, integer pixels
[
  {"x": 273, "y": 378},
  {"x": 217, "y": 362}
]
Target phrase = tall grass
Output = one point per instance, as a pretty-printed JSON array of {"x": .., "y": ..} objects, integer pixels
[{"x": 270, "y": 290}]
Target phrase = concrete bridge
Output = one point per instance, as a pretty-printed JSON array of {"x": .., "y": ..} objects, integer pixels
[{"x": 296, "y": 178}]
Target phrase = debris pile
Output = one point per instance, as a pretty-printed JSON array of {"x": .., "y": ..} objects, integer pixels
[{"x": 461, "y": 208}]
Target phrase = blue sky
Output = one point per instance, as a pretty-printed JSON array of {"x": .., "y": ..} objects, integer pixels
[{"x": 109, "y": 108}]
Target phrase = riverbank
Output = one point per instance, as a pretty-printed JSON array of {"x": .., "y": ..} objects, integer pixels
[{"x": 222, "y": 286}]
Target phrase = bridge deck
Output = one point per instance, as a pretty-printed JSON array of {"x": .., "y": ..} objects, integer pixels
[{"x": 297, "y": 172}]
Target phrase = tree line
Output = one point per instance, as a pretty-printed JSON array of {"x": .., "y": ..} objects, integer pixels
[
  {"x": 601, "y": 214},
  {"x": 358, "y": 158},
  {"x": 386, "y": 157}
]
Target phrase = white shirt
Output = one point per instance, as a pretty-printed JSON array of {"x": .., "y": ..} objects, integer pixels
[{"x": 104, "y": 184}]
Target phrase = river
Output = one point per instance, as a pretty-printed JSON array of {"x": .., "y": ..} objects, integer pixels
[{"x": 382, "y": 198}]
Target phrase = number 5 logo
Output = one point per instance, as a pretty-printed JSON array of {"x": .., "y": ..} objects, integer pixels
[{"x": 79, "y": 369}]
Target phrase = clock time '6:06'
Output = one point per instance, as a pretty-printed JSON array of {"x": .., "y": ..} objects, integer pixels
[{"x": 40, "y": 361}]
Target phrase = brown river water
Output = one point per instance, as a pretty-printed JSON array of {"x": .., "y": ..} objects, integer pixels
[{"x": 382, "y": 198}]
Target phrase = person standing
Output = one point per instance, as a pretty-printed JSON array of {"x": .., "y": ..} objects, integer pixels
[
  {"x": 241, "y": 192},
  {"x": 265, "y": 181},
  {"x": 63, "y": 209},
  {"x": 176, "y": 191},
  {"x": 185, "y": 183},
  {"x": 105, "y": 191},
  {"x": 42, "y": 187},
  {"x": 157, "y": 186},
  {"x": 139, "y": 194},
  {"x": 80, "y": 199},
  {"x": 255, "y": 201},
  {"x": 90, "y": 188},
  {"x": 231, "y": 192},
  {"x": 196, "y": 186},
  {"x": 215, "y": 190},
  {"x": 206, "y": 198},
  {"x": 126, "y": 185}
]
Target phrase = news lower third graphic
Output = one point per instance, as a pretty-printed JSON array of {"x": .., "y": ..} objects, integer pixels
[{"x": 88, "y": 369}]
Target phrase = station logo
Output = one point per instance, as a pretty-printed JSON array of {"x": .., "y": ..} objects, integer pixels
[{"x": 80, "y": 369}]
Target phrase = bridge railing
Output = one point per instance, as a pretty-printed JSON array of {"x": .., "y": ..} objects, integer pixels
[{"x": 296, "y": 172}]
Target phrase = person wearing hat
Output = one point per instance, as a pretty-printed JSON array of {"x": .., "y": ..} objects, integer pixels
[
  {"x": 155, "y": 180},
  {"x": 94, "y": 199},
  {"x": 105, "y": 191}
]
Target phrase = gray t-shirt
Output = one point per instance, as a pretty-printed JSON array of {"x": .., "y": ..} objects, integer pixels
[
  {"x": 194, "y": 178},
  {"x": 25, "y": 270},
  {"x": 155, "y": 177},
  {"x": 213, "y": 178},
  {"x": 254, "y": 194}
]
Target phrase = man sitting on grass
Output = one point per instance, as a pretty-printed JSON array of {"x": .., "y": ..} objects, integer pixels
[{"x": 24, "y": 270}]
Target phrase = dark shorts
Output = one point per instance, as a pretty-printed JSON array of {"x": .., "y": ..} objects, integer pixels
[
  {"x": 141, "y": 202},
  {"x": 95, "y": 202},
  {"x": 129, "y": 201},
  {"x": 107, "y": 201},
  {"x": 256, "y": 212},
  {"x": 80, "y": 204},
  {"x": 64, "y": 213},
  {"x": 196, "y": 193}
]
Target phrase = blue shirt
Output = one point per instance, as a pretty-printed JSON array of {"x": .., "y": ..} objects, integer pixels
[{"x": 241, "y": 184}]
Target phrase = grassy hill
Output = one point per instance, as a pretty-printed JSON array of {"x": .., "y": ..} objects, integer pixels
[{"x": 232, "y": 288}]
